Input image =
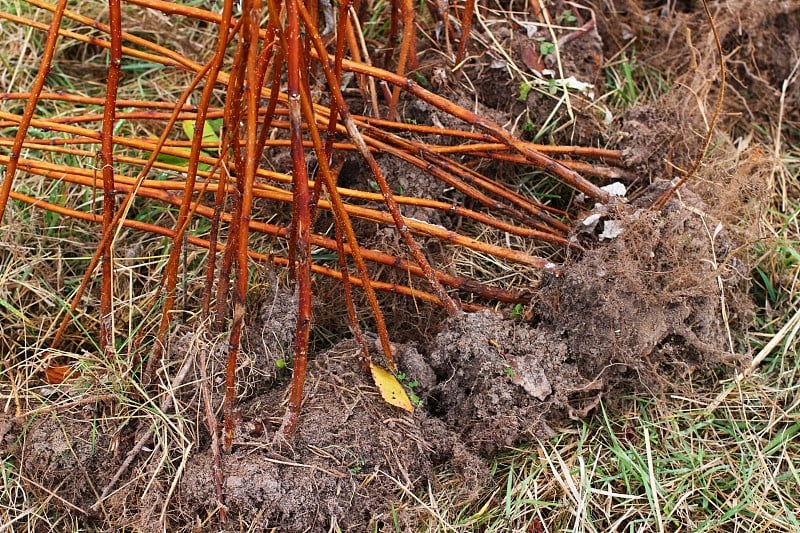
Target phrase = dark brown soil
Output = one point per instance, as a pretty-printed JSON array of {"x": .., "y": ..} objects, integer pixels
[{"x": 640, "y": 311}]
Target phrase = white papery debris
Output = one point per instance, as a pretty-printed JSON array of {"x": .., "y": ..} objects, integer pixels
[
  {"x": 612, "y": 229},
  {"x": 616, "y": 189},
  {"x": 592, "y": 219}
]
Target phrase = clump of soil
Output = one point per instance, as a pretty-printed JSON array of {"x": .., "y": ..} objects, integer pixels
[
  {"x": 499, "y": 380},
  {"x": 407, "y": 180},
  {"x": 649, "y": 305},
  {"x": 633, "y": 314},
  {"x": 66, "y": 455},
  {"x": 62, "y": 454},
  {"x": 653, "y": 142},
  {"x": 269, "y": 336},
  {"x": 349, "y": 459}
]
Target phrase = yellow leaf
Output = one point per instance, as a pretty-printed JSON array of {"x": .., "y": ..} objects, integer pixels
[
  {"x": 209, "y": 135},
  {"x": 391, "y": 390}
]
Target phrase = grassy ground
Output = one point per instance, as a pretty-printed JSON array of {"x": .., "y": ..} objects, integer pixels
[{"x": 723, "y": 456}]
